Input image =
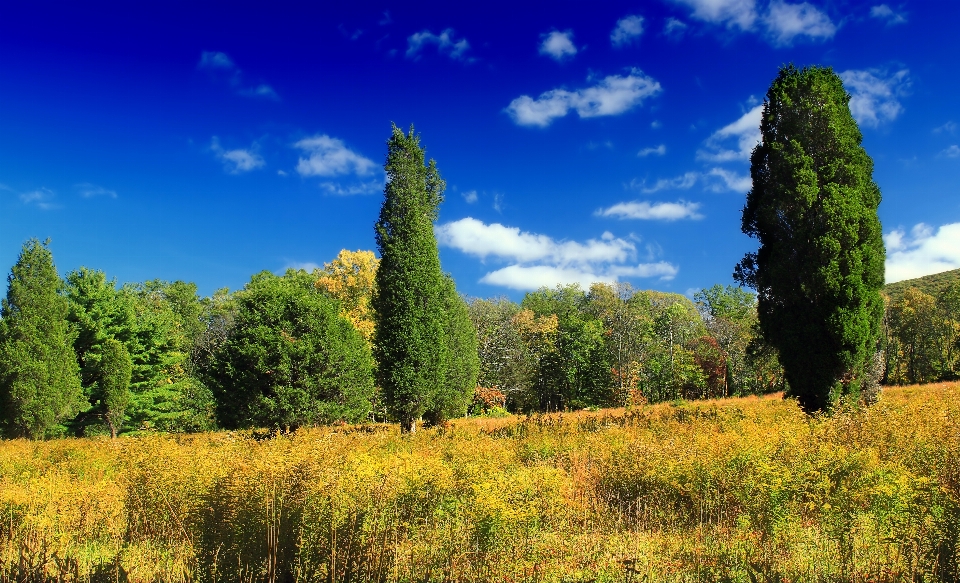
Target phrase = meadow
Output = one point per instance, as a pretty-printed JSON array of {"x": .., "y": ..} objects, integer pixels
[{"x": 746, "y": 489}]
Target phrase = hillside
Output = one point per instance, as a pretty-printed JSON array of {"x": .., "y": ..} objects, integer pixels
[{"x": 930, "y": 284}]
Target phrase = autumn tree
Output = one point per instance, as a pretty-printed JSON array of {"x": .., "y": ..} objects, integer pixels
[
  {"x": 820, "y": 264},
  {"x": 350, "y": 278},
  {"x": 408, "y": 300},
  {"x": 39, "y": 376}
]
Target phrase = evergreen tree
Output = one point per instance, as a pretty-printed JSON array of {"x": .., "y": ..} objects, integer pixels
[
  {"x": 813, "y": 208},
  {"x": 115, "y": 370},
  {"x": 463, "y": 361},
  {"x": 408, "y": 301},
  {"x": 39, "y": 376},
  {"x": 290, "y": 359}
]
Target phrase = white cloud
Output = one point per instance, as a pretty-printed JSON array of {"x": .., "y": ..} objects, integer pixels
[
  {"x": 628, "y": 30},
  {"x": 785, "y": 22},
  {"x": 328, "y": 156},
  {"x": 682, "y": 182},
  {"x": 739, "y": 13},
  {"x": 657, "y": 211},
  {"x": 611, "y": 96},
  {"x": 875, "y": 94},
  {"x": 558, "y": 45},
  {"x": 445, "y": 42},
  {"x": 215, "y": 60},
  {"x": 674, "y": 28},
  {"x": 335, "y": 189},
  {"x": 42, "y": 198},
  {"x": 538, "y": 260},
  {"x": 88, "y": 190},
  {"x": 745, "y": 130},
  {"x": 951, "y": 152},
  {"x": 922, "y": 252},
  {"x": 730, "y": 181},
  {"x": 470, "y": 196},
  {"x": 222, "y": 67},
  {"x": 948, "y": 127},
  {"x": 236, "y": 161},
  {"x": 263, "y": 91},
  {"x": 659, "y": 151},
  {"x": 884, "y": 12}
]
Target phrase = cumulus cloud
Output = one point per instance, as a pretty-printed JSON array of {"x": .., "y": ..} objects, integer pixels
[
  {"x": 922, "y": 252},
  {"x": 730, "y": 13},
  {"x": 951, "y": 152},
  {"x": 539, "y": 260},
  {"x": 445, "y": 42},
  {"x": 785, "y": 22},
  {"x": 875, "y": 94},
  {"x": 470, "y": 196},
  {"x": 236, "y": 161},
  {"x": 656, "y": 211},
  {"x": 659, "y": 151},
  {"x": 627, "y": 31},
  {"x": 558, "y": 45},
  {"x": 746, "y": 132},
  {"x": 885, "y": 13},
  {"x": 613, "y": 95},
  {"x": 87, "y": 190},
  {"x": 327, "y": 156}
]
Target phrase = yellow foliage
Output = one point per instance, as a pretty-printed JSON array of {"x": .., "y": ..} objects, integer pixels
[
  {"x": 350, "y": 279},
  {"x": 728, "y": 490}
]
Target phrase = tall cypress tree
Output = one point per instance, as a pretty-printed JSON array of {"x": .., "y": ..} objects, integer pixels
[
  {"x": 408, "y": 302},
  {"x": 39, "y": 375},
  {"x": 820, "y": 265}
]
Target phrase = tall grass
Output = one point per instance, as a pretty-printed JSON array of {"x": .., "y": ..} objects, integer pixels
[{"x": 736, "y": 490}]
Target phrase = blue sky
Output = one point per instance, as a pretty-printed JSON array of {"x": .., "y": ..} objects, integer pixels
[{"x": 579, "y": 141}]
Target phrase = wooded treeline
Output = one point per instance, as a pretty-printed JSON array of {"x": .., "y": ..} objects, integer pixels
[{"x": 295, "y": 350}]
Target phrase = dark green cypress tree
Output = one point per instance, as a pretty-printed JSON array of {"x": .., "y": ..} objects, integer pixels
[
  {"x": 409, "y": 341},
  {"x": 39, "y": 376},
  {"x": 820, "y": 265}
]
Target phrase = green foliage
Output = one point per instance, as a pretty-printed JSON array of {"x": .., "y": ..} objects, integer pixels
[
  {"x": 456, "y": 393},
  {"x": 408, "y": 301},
  {"x": 576, "y": 373},
  {"x": 934, "y": 284},
  {"x": 39, "y": 376},
  {"x": 115, "y": 370},
  {"x": 290, "y": 359},
  {"x": 813, "y": 207},
  {"x": 165, "y": 395},
  {"x": 504, "y": 361}
]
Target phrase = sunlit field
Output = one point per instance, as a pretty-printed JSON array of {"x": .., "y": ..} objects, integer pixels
[{"x": 732, "y": 490}]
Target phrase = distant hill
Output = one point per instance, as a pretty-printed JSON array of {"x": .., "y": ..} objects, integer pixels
[{"x": 930, "y": 284}]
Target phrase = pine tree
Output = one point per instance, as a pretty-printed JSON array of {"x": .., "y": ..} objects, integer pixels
[
  {"x": 409, "y": 338},
  {"x": 463, "y": 361},
  {"x": 820, "y": 265},
  {"x": 39, "y": 376}
]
